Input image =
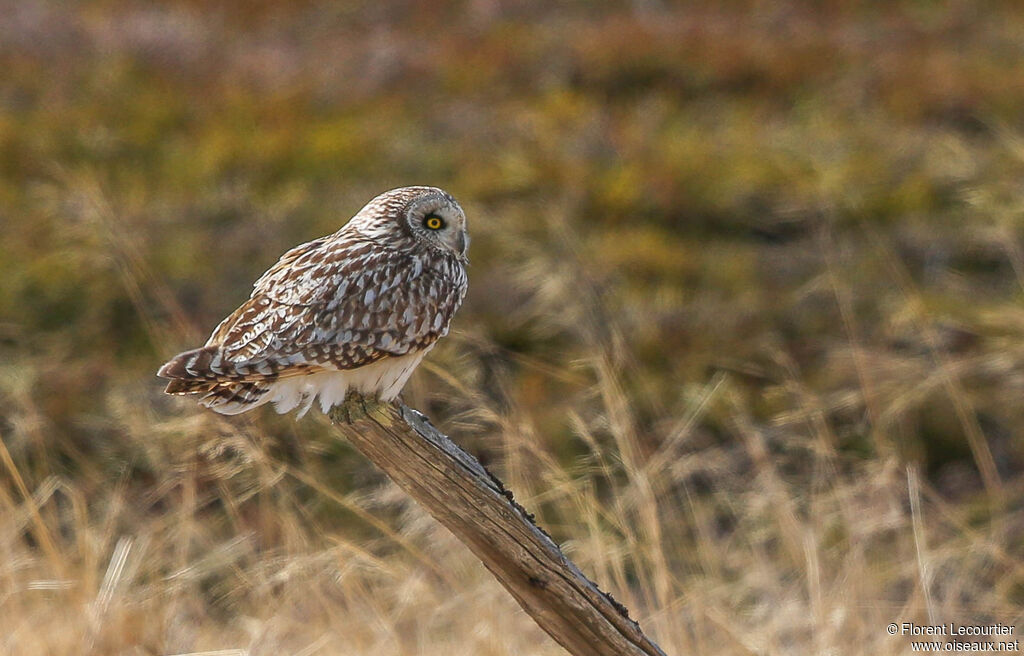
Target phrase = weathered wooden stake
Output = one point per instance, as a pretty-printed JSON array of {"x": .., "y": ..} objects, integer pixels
[{"x": 474, "y": 505}]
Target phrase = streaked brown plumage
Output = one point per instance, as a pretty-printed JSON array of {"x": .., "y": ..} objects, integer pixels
[{"x": 354, "y": 310}]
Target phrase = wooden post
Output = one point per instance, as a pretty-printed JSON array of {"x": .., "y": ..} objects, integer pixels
[{"x": 474, "y": 505}]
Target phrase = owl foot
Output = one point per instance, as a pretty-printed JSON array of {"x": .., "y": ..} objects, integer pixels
[{"x": 353, "y": 408}]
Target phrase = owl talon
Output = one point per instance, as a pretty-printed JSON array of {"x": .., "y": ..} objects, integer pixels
[
  {"x": 349, "y": 411},
  {"x": 353, "y": 408}
]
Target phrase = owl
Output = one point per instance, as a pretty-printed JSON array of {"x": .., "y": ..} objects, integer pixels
[{"x": 353, "y": 311}]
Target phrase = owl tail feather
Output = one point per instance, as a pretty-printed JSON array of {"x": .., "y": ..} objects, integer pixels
[
  {"x": 235, "y": 398},
  {"x": 199, "y": 366},
  {"x": 219, "y": 384}
]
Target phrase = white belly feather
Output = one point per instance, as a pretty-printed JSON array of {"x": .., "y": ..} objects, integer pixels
[{"x": 383, "y": 379}]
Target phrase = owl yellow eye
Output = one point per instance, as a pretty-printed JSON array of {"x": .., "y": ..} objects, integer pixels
[{"x": 433, "y": 222}]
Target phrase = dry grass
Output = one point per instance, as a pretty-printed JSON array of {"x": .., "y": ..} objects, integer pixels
[
  {"x": 744, "y": 327},
  {"x": 265, "y": 538}
]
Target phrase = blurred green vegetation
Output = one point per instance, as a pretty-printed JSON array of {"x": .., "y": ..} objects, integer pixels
[{"x": 818, "y": 203}]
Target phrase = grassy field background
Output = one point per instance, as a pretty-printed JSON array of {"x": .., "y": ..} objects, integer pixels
[{"x": 745, "y": 323}]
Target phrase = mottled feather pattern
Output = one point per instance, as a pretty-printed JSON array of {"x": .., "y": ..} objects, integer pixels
[{"x": 371, "y": 292}]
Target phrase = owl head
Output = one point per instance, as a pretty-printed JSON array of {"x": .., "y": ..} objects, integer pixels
[{"x": 428, "y": 215}]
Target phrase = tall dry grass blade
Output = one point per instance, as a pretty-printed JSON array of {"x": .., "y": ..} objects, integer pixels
[
  {"x": 664, "y": 455},
  {"x": 841, "y": 292},
  {"x": 40, "y": 532},
  {"x": 137, "y": 276},
  {"x": 920, "y": 543},
  {"x": 968, "y": 419},
  {"x": 111, "y": 581}
]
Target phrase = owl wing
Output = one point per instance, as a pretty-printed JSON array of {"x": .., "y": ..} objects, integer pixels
[{"x": 341, "y": 304}]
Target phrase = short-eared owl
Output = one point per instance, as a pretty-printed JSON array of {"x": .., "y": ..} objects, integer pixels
[{"x": 356, "y": 310}]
